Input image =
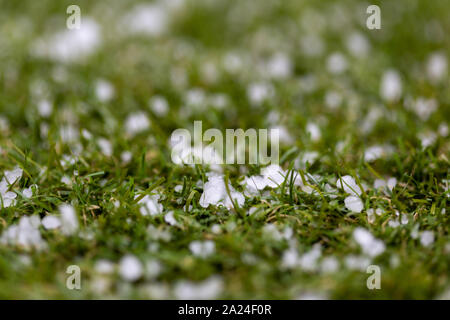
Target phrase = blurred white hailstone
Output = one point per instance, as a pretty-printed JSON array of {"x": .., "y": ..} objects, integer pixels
[
  {"x": 70, "y": 45},
  {"x": 136, "y": 123},
  {"x": 69, "y": 219},
  {"x": 443, "y": 130},
  {"x": 68, "y": 133},
  {"x": 290, "y": 258},
  {"x": 427, "y": 238},
  {"x": 337, "y": 63},
  {"x": 391, "y": 86},
  {"x": 312, "y": 45},
  {"x": 357, "y": 262},
  {"x": 427, "y": 138},
  {"x": 105, "y": 146},
  {"x": 357, "y": 44},
  {"x": 45, "y": 108},
  {"x": 148, "y": 19},
  {"x": 202, "y": 249},
  {"x": 159, "y": 105},
  {"x": 437, "y": 67},
  {"x": 130, "y": 268},
  {"x": 333, "y": 99},
  {"x": 51, "y": 222},
  {"x": 215, "y": 193},
  {"x": 279, "y": 66},
  {"x": 150, "y": 205},
  {"x": 308, "y": 261},
  {"x": 12, "y": 176},
  {"x": 170, "y": 219},
  {"x": 210, "y": 288},
  {"x": 424, "y": 107},
  {"x": 376, "y": 152},
  {"x": 354, "y": 204},
  {"x": 259, "y": 92},
  {"x": 349, "y": 185},
  {"x": 368, "y": 243},
  {"x": 104, "y": 90},
  {"x": 126, "y": 156},
  {"x": 329, "y": 265},
  {"x": 28, "y": 192},
  {"x": 313, "y": 130},
  {"x": 25, "y": 234},
  {"x": 104, "y": 266}
]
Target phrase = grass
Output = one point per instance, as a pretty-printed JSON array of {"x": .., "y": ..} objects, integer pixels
[{"x": 248, "y": 259}]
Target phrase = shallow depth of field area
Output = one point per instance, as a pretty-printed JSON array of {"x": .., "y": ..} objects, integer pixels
[{"x": 87, "y": 179}]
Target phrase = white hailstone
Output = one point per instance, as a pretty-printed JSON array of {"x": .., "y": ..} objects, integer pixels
[
  {"x": 271, "y": 231},
  {"x": 357, "y": 262},
  {"x": 130, "y": 268},
  {"x": 259, "y": 92},
  {"x": 159, "y": 105},
  {"x": 354, "y": 204},
  {"x": 329, "y": 265},
  {"x": 66, "y": 180},
  {"x": 391, "y": 86},
  {"x": 424, "y": 107},
  {"x": 375, "y": 152},
  {"x": 404, "y": 219},
  {"x": 219, "y": 100},
  {"x": 232, "y": 62},
  {"x": 150, "y": 205},
  {"x": 215, "y": 193},
  {"x": 368, "y": 243},
  {"x": 178, "y": 188},
  {"x": 208, "y": 289},
  {"x": 70, "y": 45},
  {"x": 333, "y": 99},
  {"x": 313, "y": 130},
  {"x": 349, "y": 185},
  {"x": 69, "y": 219},
  {"x": 202, "y": 249},
  {"x": 284, "y": 136},
  {"x": 153, "y": 268},
  {"x": 105, "y": 146},
  {"x": 393, "y": 223},
  {"x": 274, "y": 175},
  {"x": 51, "y": 222},
  {"x": 136, "y": 123},
  {"x": 86, "y": 134},
  {"x": 427, "y": 138},
  {"x": 391, "y": 183},
  {"x": 104, "y": 90},
  {"x": 25, "y": 234},
  {"x": 357, "y": 44},
  {"x": 148, "y": 19},
  {"x": 337, "y": 63},
  {"x": 312, "y": 45},
  {"x": 45, "y": 108},
  {"x": 216, "y": 229},
  {"x": 126, "y": 156},
  {"x": 195, "y": 97},
  {"x": 68, "y": 134},
  {"x": 437, "y": 67},
  {"x": 14, "y": 175},
  {"x": 308, "y": 261},
  {"x": 279, "y": 66},
  {"x": 427, "y": 238},
  {"x": 443, "y": 130},
  {"x": 170, "y": 219},
  {"x": 290, "y": 258},
  {"x": 28, "y": 192}
]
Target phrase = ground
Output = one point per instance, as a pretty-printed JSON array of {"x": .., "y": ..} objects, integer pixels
[{"x": 88, "y": 180}]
